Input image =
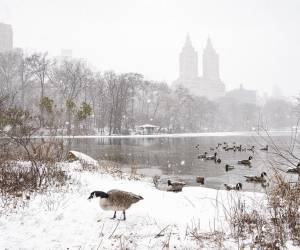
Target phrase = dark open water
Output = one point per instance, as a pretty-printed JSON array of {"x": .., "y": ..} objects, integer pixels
[{"x": 176, "y": 157}]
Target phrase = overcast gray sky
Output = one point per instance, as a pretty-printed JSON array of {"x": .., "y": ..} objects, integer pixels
[{"x": 258, "y": 40}]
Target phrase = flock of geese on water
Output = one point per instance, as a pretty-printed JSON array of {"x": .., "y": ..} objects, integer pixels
[
  {"x": 119, "y": 200},
  {"x": 177, "y": 186}
]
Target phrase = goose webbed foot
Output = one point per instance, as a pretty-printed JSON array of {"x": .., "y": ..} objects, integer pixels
[{"x": 114, "y": 215}]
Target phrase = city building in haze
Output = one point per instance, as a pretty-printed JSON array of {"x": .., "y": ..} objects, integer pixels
[
  {"x": 242, "y": 95},
  {"x": 6, "y": 37},
  {"x": 209, "y": 84}
]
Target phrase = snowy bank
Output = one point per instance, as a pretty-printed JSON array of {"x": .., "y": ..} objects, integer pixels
[
  {"x": 175, "y": 135},
  {"x": 68, "y": 220}
]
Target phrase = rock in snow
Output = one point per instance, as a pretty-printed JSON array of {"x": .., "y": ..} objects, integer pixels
[{"x": 83, "y": 158}]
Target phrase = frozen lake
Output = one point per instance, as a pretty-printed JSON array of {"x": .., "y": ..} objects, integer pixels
[{"x": 176, "y": 157}]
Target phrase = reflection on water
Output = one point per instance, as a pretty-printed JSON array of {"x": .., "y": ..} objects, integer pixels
[{"x": 177, "y": 157}]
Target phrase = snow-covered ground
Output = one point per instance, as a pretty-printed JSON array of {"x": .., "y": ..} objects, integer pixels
[{"x": 68, "y": 220}]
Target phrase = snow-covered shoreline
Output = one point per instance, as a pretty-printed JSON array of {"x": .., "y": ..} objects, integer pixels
[
  {"x": 179, "y": 135},
  {"x": 66, "y": 219}
]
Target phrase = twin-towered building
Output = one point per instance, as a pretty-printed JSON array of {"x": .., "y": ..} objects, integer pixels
[{"x": 209, "y": 84}]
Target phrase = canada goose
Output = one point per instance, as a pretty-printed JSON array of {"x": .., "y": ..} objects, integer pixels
[
  {"x": 212, "y": 157},
  {"x": 116, "y": 200},
  {"x": 230, "y": 148},
  {"x": 294, "y": 170},
  {"x": 246, "y": 162},
  {"x": 266, "y": 148},
  {"x": 202, "y": 156},
  {"x": 239, "y": 148},
  {"x": 197, "y": 146},
  {"x": 251, "y": 149},
  {"x": 200, "y": 179},
  {"x": 228, "y": 167},
  {"x": 175, "y": 186},
  {"x": 233, "y": 187},
  {"x": 218, "y": 160},
  {"x": 260, "y": 178}
]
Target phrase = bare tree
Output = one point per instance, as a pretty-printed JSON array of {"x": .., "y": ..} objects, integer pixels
[
  {"x": 26, "y": 76},
  {"x": 70, "y": 77},
  {"x": 39, "y": 65}
]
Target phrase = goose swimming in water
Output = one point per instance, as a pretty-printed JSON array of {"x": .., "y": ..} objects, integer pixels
[
  {"x": 294, "y": 170},
  {"x": 233, "y": 187},
  {"x": 212, "y": 157},
  {"x": 228, "y": 167},
  {"x": 175, "y": 186},
  {"x": 266, "y": 148},
  {"x": 202, "y": 156},
  {"x": 230, "y": 148},
  {"x": 246, "y": 162},
  {"x": 261, "y": 178},
  {"x": 116, "y": 200}
]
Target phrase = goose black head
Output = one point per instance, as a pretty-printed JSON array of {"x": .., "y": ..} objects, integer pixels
[
  {"x": 263, "y": 174},
  {"x": 169, "y": 183},
  {"x": 239, "y": 186},
  {"x": 215, "y": 154},
  {"x": 100, "y": 194},
  {"x": 250, "y": 158},
  {"x": 298, "y": 165}
]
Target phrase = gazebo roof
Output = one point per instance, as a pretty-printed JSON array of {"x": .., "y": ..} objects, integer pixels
[{"x": 148, "y": 126}]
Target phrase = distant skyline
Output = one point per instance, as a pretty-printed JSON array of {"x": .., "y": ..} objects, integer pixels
[{"x": 257, "y": 40}]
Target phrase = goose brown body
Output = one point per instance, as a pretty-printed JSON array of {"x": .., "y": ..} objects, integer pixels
[
  {"x": 246, "y": 162},
  {"x": 119, "y": 200},
  {"x": 260, "y": 178}
]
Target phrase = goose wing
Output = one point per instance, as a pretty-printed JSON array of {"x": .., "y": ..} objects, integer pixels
[
  {"x": 293, "y": 170},
  {"x": 255, "y": 178},
  {"x": 244, "y": 162},
  {"x": 228, "y": 187},
  {"x": 122, "y": 198},
  {"x": 250, "y": 178}
]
